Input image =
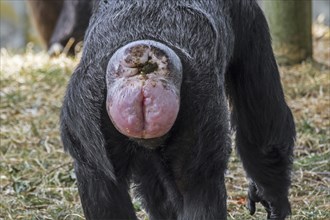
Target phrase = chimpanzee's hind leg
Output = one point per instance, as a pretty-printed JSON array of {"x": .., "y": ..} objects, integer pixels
[
  {"x": 101, "y": 198},
  {"x": 156, "y": 186}
]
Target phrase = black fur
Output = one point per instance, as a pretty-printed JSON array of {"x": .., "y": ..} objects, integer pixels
[{"x": 225, "y": 50}]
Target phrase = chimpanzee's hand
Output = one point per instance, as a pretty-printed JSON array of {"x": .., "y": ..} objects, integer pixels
[
  {"x": 55, "y": 49},
  {"x": 276, "y": 210}
]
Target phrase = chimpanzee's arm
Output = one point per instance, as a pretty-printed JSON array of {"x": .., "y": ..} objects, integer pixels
[{"x": 264, "y": 123}]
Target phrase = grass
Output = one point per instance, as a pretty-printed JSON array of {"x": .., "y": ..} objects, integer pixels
[{"x": 36, "y": 176}]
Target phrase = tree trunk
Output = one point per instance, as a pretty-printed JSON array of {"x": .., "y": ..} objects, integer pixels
[{"x": 290, "y": 24}]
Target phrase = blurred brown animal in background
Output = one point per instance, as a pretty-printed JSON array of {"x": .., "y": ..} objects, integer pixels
[{"x": 62, "y": 23}]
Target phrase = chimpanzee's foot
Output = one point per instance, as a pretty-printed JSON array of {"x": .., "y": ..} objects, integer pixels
[{"x": 278, "y": 209}]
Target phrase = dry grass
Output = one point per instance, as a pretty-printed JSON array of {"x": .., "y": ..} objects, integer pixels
[{"x": 36, "y": 177}]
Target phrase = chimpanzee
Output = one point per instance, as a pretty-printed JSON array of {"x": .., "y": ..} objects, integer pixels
[
  {"x": 58, "y": 21},
  {"x": 147, "y": 106}
]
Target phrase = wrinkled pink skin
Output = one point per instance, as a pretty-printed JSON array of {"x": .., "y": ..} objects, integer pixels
[{"x": 141, "y": 106}]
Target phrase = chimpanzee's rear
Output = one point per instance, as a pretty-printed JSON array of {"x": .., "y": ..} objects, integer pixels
[{"x": 139, "y": 55}]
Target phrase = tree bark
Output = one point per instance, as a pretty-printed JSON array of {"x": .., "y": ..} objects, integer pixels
[{"x": 290, "y": 24}]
